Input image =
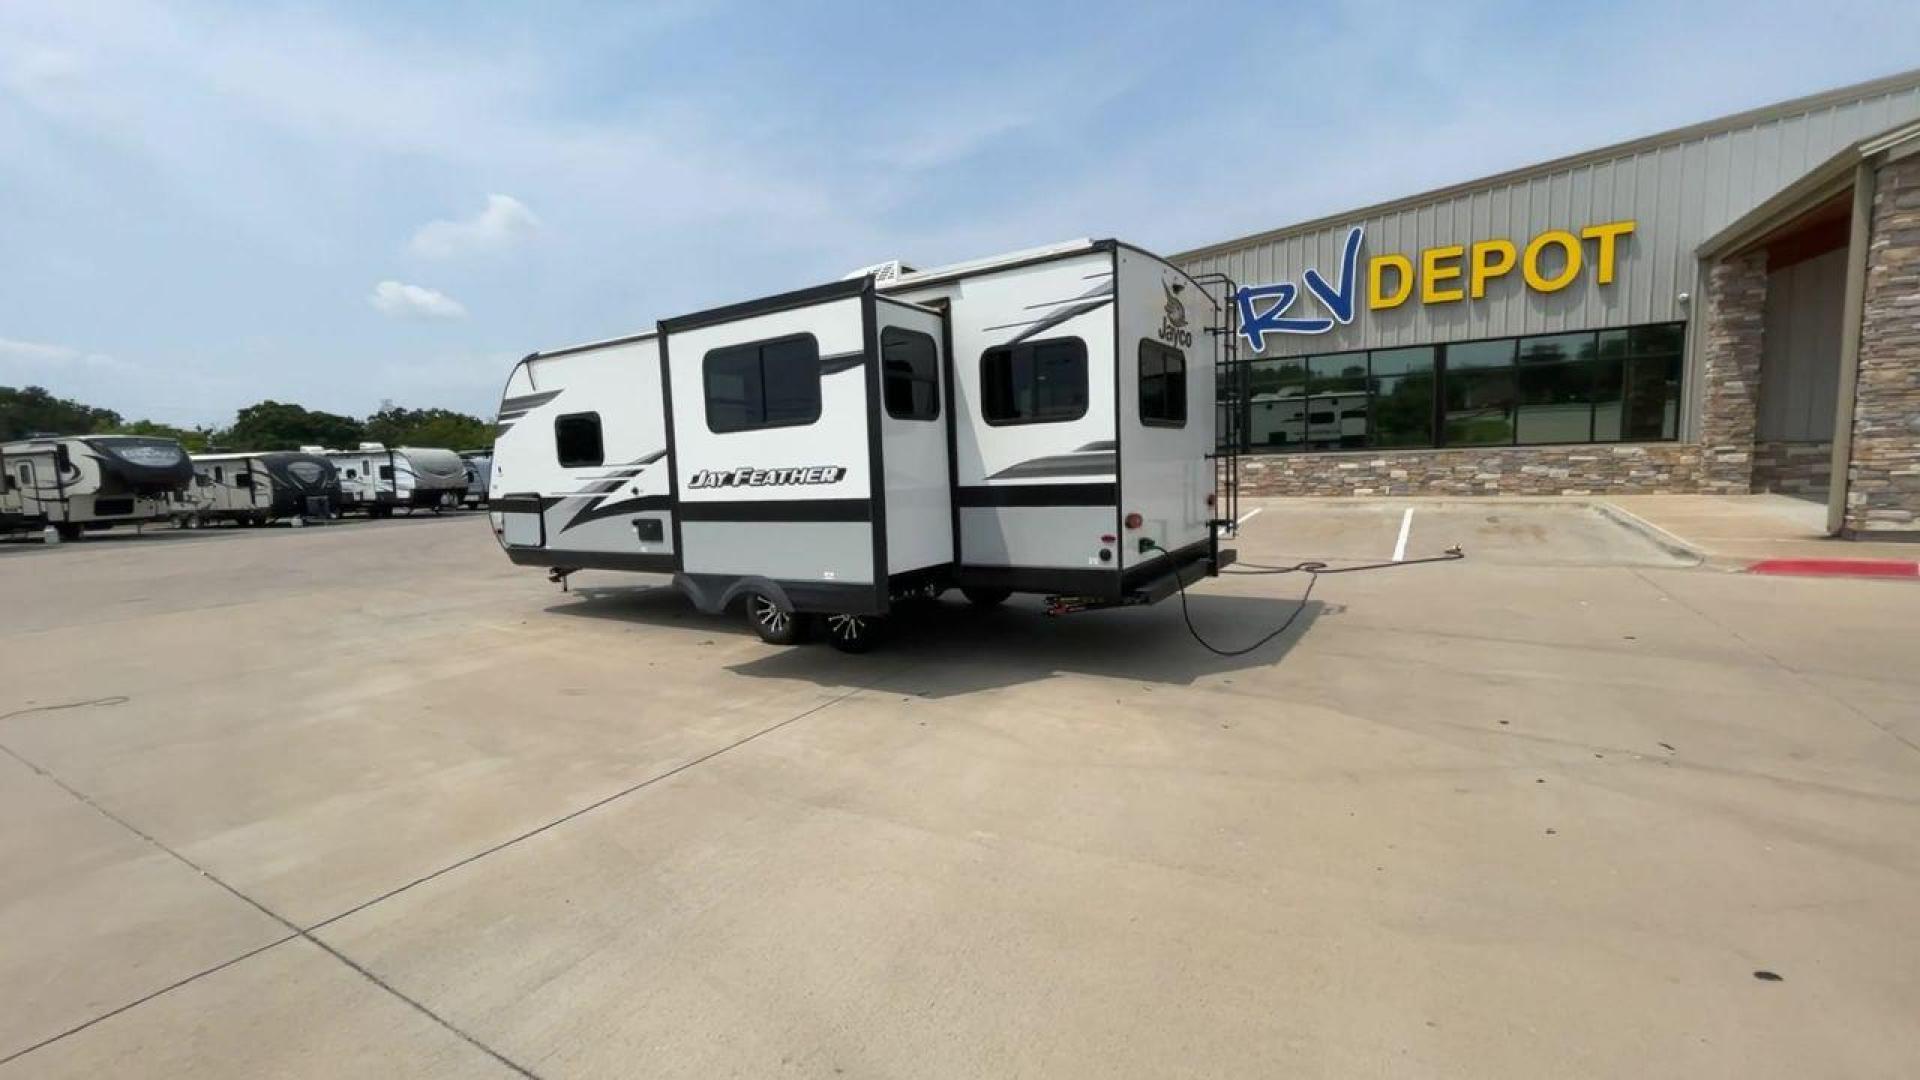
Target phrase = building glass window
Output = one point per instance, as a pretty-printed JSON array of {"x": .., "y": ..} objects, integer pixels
[
  {"x": 1163, "y": 385},
  {"x": 1588, "y": 386},
  {"x": 763, "y": 384},
  {"x": 909, "y": 374},
  {"x": 1034, "y": 382},
  {"x": 577, "y": 440}
]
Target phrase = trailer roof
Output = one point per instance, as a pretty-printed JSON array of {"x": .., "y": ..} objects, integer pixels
[{"x": 919, "y": 278}]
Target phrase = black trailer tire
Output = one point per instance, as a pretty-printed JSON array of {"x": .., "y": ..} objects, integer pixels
[
  {"x": 775, "y": 624},
  {"x": 68, "y": 531},
  {"x": 986, "y": 598},
  {"x": 853, "y": 633}
]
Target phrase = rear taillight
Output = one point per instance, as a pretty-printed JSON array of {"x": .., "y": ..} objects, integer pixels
[{"x": 1134, "y": 521}]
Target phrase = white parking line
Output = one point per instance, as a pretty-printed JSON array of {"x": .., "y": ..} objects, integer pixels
[
  {"x": 1248, "y": 516},
  {"x": 1406, "y": 526}
]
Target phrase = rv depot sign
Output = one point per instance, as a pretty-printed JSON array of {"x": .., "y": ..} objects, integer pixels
[{"x": 1445, "y": 274}]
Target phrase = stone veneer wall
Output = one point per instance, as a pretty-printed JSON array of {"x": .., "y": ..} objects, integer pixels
[
  {"x": 1733, "y": 322},
  {"x": 1883, "y": 473},
  {"x": 1627, "y": 468},
  {"x": 1793, "y": 468}
]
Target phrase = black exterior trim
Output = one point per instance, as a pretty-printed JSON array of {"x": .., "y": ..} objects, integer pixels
[
  {"x": 1158, "y": 565},
  {"x": 518, "y": 504},
  {"x": 591, "y": 560},
  {"x": 953, "y": 421},
  {"x": 876, "y": 458},
  {"x": 1037, "y": 495},
  {"x": 767, "y": 305},
  {"x": 1119, "y": 480},
  {"x": 673, "y": 458},
  {"x": 1050, "y": 580},
  {"x": 773, "y": 510},
  {"x": 639, "y": 505}
]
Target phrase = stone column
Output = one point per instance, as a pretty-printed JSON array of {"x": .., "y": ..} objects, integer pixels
[
  {"x": 1883, "y": 471},
  {"x": 1733, "y": 327}
]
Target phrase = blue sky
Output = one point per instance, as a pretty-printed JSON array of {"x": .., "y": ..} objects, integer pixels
[{"x": 207, "y": 204}]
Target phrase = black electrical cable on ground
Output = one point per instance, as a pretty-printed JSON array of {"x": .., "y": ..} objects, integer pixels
[{"x": 1312, "y": 568}]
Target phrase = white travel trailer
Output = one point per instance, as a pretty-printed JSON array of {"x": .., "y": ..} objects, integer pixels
[
  {"x": 378, "y": 479},
  {"x": 78, "y": 482},
  {"x": 1040, "y": 422},
  {"x": 479, "y": 470},
  {"x": 261, "y": 487}
]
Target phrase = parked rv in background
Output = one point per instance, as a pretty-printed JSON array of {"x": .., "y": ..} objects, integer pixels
[
  {"x": 257, "y": 488},
  {"x": 1039, "y": 422},
  {"x": 377, "y": 479},
  {"x": 479, "y": 475},
  {"x": 71, "y": 483}
]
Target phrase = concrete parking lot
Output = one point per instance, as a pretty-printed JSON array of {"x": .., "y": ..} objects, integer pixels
[{"x": 367, "y": 800}]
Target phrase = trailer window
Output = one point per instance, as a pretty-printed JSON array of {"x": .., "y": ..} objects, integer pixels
[
  {"x": 386, "y": 472},
  {"x": 763, "y": 384},
  {"x": 1163, "y": 385},
  {"x": 1034, "y": 382},
  {"x": 576, "y": 438},
  {"x": 909, "y": 374}
]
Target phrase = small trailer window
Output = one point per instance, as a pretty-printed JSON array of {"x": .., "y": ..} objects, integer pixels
[
  {"x": 576, "y": 438},
  {"x": 763, "y": 384},
  {"x": 386, "y": 472},
  {"x": 909, "y": 374},
  {"x": 1034, "y": 382},
  {"x": 219, "y": 475},
  {"x": 1163, "y": 385}
]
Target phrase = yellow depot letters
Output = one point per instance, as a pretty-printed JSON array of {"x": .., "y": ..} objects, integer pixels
[{"x": 1550, "y": 262}]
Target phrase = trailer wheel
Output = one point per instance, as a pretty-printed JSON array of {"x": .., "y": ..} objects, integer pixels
[
  {"x": 854, "y": 633},
  {"x": 68, "y": 531},
  {"x": 775, "y": 624},
  {"x": 986, "y": 598}
]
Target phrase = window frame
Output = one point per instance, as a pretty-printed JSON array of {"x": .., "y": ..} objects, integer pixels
[
  {"x": 932, "y": 379},
  {"x": 1086, "y": 381},
  {"x": 1653, "y": 353},
  {"x": 1167, "y": 353},
  {"x": 760, "y": 346},
  {"x": 599, "y": 438}
]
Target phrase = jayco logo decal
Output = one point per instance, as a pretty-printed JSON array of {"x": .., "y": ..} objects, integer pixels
[
  {"x": 729, "y": 478},
  {"x": 1173, "y": 325}
]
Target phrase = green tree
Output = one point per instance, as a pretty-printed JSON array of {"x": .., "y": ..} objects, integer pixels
[
  {"x": 194, "y": 440},
  {"x": 32, "y": 409},
  {"x": 274, "y": 425},
  {"x": 399, "y": 426}
]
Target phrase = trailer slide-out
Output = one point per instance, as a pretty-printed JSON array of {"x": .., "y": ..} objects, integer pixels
[{"x": 1041, "y": 422}]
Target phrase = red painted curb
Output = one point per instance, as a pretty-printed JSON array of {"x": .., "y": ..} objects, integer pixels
[{"x": 1894, "y": 568}]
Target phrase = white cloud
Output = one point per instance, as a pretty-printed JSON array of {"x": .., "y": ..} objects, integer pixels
[
  {"x": 39, "y": 355},
  {"x": 505, "y": 222},
  {"x": 414, "y": 301}
]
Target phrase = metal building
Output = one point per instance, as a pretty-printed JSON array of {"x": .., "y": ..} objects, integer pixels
[{"x": 1726, "y": 307}]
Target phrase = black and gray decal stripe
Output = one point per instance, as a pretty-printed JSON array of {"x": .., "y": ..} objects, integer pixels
[
  {"x": 833, "y": 365},
  {"x": 1096, "y": 464},
  {"x": 614, "y": 509},
  {"x": 526, "y": 402}
]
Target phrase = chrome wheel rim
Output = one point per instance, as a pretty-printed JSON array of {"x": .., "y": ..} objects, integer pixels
[
  {"x": 769, "y": 615},
  {"x": 847, "y": 627}
]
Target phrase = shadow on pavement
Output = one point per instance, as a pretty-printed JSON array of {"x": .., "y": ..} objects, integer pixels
[{"x": 953, "y": 649}]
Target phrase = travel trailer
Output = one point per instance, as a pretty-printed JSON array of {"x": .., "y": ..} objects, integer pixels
[
  {"x": 71, "y": 483},
  {"x": 377, "y": 480},
  {"x": 1040, "y": 422},
  {"x": 258, "y": 488},
  {"x": 479, "y": 470}
]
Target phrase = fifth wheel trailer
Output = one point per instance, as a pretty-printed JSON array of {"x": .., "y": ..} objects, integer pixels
[
  {"x": 71, "y": 483},
  {"x": 261, "y": 487},
  {"x": 1015, "y": 424}
]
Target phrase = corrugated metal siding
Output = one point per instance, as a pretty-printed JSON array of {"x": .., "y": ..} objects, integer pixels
[{"x": 1679, "y": 193}]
